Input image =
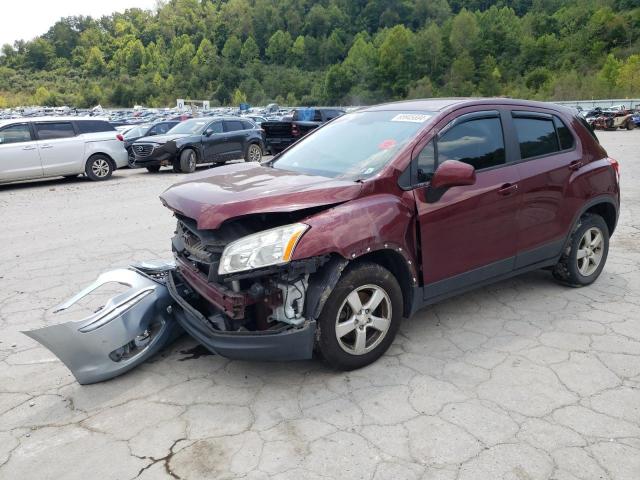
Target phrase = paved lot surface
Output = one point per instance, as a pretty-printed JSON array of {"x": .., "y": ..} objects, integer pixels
[{"x": 521, "y": 380}]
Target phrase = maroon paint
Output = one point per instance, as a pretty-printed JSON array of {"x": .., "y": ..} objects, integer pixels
[
  {"x": 467, "y": 227},
  {"x": 452, "y": 173},
  {"x": 212, "y": 197}
]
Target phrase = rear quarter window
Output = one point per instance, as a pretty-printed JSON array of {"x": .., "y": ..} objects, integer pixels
[{"x": 94, "y": 126}]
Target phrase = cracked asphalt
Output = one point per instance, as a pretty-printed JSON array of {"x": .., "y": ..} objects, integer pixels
[{"x": 521, "y": 380}]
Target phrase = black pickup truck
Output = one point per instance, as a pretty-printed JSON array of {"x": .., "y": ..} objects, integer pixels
[{"x": 280, "y": 134}]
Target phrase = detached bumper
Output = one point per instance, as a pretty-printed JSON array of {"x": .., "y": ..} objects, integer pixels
[
  {"x": 129, "y": 329},
  {"x": 293, "y": 343}
]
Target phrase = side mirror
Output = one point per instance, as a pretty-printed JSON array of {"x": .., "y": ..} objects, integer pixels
[
  {"x": 151, "y": 134},
  {"x": 208, "y": 132},
  {"x": 452, "y": 173}
]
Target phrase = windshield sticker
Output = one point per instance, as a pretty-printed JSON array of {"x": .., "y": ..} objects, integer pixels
[
  {"x": 387, "y": 144},
  {"x": 411, "y": 117}
]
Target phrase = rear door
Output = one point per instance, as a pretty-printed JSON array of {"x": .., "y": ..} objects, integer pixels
[
  {"x": 19, "y": 155},
  {"x": 235, "y": 134},
  {"x": 61, "y": 150},
  {"x": 548, "y": 156},
  {"x": 467, "y": 233},
  {"x": 214, "y": 142}
]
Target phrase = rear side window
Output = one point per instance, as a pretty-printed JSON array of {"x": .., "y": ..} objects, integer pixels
[
  {"x": 247, "y": 125},
  {"x": 94, "y": 126},
  {"x": 15, "y": 134},
  {"x": 232, "y": 125},
  {"x": 52, "y": 131},
  {"x": 537, "y": 136},
  {"x": 479, "y": 143},
  {"x": 564, "y": 134},
  {"x": 215, "y": 127}
]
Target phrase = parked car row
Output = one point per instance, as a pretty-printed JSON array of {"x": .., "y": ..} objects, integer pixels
[{"x": 612, "y": 118}]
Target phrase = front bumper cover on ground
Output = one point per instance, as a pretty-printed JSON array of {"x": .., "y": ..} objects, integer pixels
[
  {"x": 134, "y": 325},
  {"x": 130, "y": 328}
]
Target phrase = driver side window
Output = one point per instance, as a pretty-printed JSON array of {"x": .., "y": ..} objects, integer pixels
[{"x": 15, "y": 134}]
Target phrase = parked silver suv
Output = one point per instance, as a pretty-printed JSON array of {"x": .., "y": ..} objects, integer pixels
[{"x": 32, "y": 148}]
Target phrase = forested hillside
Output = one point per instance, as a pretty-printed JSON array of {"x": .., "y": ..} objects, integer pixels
[{"x": 330, "y": 51}]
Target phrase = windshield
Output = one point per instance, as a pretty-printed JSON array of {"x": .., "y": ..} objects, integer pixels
[
  {"x": 354, "y": 146},
  {"x": 192, "y": 127},
  {"x": 135, "y": 132}
]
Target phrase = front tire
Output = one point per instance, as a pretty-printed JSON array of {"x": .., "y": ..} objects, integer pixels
[
  {"x": 188, "y": 161},
  {"x": 586, "y": 254},
  {"x": 253, "y": 153},
  {"x": 99, "y": 167},
  {"x": 360, "y": 318},
  {"x": 630, "y": 125}
]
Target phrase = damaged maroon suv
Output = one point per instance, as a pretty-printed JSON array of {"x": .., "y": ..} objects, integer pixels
[{"x": 381, "y": 212}]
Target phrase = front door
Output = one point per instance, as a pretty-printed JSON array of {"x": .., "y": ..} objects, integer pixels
[
  {"x": 19, "y": 156},
  {"x": 468, "y": 233},
  {"x": 61, "y": 151}
]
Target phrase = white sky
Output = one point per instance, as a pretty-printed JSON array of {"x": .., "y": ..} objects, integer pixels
[{"x": 25, "y": 19}]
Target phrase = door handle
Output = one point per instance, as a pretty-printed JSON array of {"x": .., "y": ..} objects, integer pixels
[
  {"x": 575, "y": 165},
  {"x": 508, "y": 188},
  {"x": 29, "y": 148},
  {"x": 46, "y": 146}
]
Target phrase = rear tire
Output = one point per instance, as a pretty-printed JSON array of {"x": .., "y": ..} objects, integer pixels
[
  {"x": 586, "y": 254},
  {"x": 153, "y": 169},
  {"x": 360, "y": 318},
  {"x": 99, "y": 167},
  {"x": 188, "y": 161},
  {"x": 253, "y": 153},
  {"x": 630, "y": 125}
]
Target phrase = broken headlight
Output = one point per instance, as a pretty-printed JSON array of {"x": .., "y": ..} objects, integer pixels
[{"x": 262, "y": 249}]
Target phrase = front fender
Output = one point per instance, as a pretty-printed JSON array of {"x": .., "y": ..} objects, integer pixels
[{"x": 360, "y": 227}]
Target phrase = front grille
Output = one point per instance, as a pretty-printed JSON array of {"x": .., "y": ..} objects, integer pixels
[{"x": 142, "y": 149}]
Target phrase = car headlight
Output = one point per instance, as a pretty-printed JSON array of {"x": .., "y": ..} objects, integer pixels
[{"x": 262, "y": 249}]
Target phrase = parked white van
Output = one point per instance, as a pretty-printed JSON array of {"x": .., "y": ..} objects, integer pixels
[{"x": 32, "y": 148}]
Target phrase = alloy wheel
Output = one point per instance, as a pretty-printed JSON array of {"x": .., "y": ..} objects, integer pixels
[
  {"x": 192, "y": 161},
  {"x": 590, "y": 250},
  {"x": 363, "y": 319},
  {"x": 100, "y": 168},
  {"x": 255, "y": 154}
]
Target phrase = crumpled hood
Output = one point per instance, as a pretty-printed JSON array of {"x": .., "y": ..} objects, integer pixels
[{"x": 215, "y": 196}]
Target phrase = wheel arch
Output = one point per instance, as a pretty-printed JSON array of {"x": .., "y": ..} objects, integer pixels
[
  {"x": 606, "y": 208},
  {"x": 102, "y": 154},
  {"x": 322, "y": 283}
]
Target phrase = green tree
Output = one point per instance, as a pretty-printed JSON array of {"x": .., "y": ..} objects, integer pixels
[
  {"x": 39, "y": 53},
  {"x": 95, "y": 64},
  {"x": 250, "y": 51},
  {"x": 239, "y": 97},
  {"x": 464, "y": 32},
  {"x": 232, "y": 49},
  {"x": 278, "y": 48},
  {"x": 397, "y": 60}
]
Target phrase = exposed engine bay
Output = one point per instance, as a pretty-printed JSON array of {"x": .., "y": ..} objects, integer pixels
[{"x": 256, "y": 300}]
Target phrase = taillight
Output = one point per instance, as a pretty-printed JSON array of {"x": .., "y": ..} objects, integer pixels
[
  {"x": 616, "y": 166},
  {"x": 294, "y": 130},
  {"x": 120, "y": 137}
]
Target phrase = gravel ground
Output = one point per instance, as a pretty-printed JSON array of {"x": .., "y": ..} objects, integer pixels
[{"x": 524, "y": 379}]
